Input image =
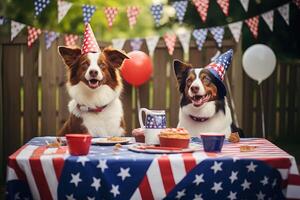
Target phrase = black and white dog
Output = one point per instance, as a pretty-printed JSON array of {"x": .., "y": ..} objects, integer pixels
[{"x": 203, "y": 103}]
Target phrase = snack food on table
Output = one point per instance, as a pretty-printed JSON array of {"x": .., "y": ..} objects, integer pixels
[
  {"x": 234, "y": 137},
  {"x": 116, "y": 139},
  {"x": 247, "y": 148},
  {"x": 54, "y": 144},
  {"x": 174, "y": 137}
]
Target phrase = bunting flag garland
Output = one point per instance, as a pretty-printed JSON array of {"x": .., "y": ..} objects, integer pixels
[
  {"x": 33, "y": 35},
  {"x": 70, "y": 39},
  {"x": 156, "y": 11},
  {"x": 15, "y": 29},
  {"x": 200, "y": 37},
  {"x": 253, "y": 25},
  {"x": 88, "y": 11},
  {"x": 284, "y": 12},
  {"x": 151, "y": 44},
  {"x": 224, "y": 4},
  {"x": 40, "y": 5},
  {"x": 110, "y": 13},
  {"x": 50, "y": 37},
  {"x": 170, "y": 40},
  {"x": 269, "y": 19},
  {"x": 245, "y": 4},
  {"x": 180, "y": 8},
  {"x": 62, "y": 9},
  {"x": 185, "y": 39},
  {"x": 297, "y": 3},
  {"x": 132, "y": 13},
  {"x": 118, "y": 43},
  {"x": 218, "y": 34},
  {"x": 236, "y": 29},
  {"x": 136, "y": 44},
  {"x": 202, "y": 7}
]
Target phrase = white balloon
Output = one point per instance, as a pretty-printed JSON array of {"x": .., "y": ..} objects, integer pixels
[{"x": 259, "y": 62}]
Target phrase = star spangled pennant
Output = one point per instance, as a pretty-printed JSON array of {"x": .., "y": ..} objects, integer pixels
[
  {"x": 218, "y": 34},
  {"x": 70, "y": 39},
  {"x": 62, "y": 9},
  {"x": 151, "y": 42},
  {"x": 180, "y": 9},
  {"x": 185, "y": 39},
  {"x": 33, "y": 35},
  {"x": 132, "y": 13},
  {"x": 297, "y": 3},
  {"x": 118, "y": 43},
  {"x": 224, "y": 4},
  {"x": 236, "y": 29},
  {"x": 50, "y": 37},
  {"x": 245, "y": 4},
  {"x": 285, "y": 12},
  {"x": 202, "y": 7},
  {"x": 200, "y": 37},
  {"x": 110, "y": 14},
  {"x": 15, "y": 29},
  {"x": 156, "y": 11},
  {"x": 136, "y": 44},
  {"x": 39, "y": 6},
  {"x": 88, "y": 11},
  {"x": 269, "y": 18},
  {"x": 170, "y": 40},
  {"x": 253, "y": 25}
]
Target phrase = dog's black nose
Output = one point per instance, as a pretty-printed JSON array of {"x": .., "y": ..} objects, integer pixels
[
  {"x": 93, "y": 73},
  {"x": 195, "y": 89}
]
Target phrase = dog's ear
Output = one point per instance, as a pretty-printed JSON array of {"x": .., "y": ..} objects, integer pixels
[
  {"x": 114, "y": 57},
  {"x": 180, "y": 68},
  {"x": 69, "y": 55}
]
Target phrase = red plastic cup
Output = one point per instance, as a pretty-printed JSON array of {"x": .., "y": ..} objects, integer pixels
[{"x": 78, "y": 144}]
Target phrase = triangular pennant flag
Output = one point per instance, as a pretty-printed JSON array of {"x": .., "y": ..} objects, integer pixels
[
  {"x": 180, "y": 8},
  {"x": 297, "y": 3},
  {"x": 245, "y": 4},
  {"x": 224, "y": 4},
  {"x": 50, "y": 37},
  {"x": 202, "y": 7},
  {"x": 170, "y": 40},
  {"x": 40, "y": 5},
  {"x": 110, "y": 13},
  {"x": 253, "y": 25},
  {"x": 200, "y": 37},
  {"x": 185, "y": 39},
  {"x": 236, "y": 29},
  {"x": 269, "y": 18},
  {"x": 136, "y": 44},
  {"x": 62, "y": 8},
  {"x": 33, "y": 35},
  {"x": 88, "y": 11},
  {"x": 156, "y": 11},
  {"x": 132, "y": 13},
  {"x": 70, "y": 40},
  {"x": 151, "y": 42},
  {"x": 285, "y": 12},
  {"x": 15, "y": 28},
  {"x": 218, "y": 34},
  {"x": 118, "y": 43}
]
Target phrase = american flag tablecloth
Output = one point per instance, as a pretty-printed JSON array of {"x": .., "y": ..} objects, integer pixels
[{"x": 37, "y": 172}]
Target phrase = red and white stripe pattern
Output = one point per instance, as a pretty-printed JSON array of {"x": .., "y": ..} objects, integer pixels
[
  {"x": 33, "y": 35},
  {"x": 170, "y": 40},
  {"x": 202, "y": 7},
  {"x": 110, "y": 13},
  {"x": 253, "y": 25},
  {"x": 70, "y": 39},
  {"x": 132, "y": 13},
  {"x": 224, "y": 4}
]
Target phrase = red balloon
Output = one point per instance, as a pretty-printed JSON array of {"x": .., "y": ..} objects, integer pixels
[{"x": 138, "y": 69}]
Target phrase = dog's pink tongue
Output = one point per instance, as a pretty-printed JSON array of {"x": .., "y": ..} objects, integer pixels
[
  {"x": 93, "y": 85},
  {"x": 199, "y": 102}
]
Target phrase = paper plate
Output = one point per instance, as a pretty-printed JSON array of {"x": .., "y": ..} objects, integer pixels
[
  {"x": 143, "y": 149},
  {"x": 108, "y": 141}
]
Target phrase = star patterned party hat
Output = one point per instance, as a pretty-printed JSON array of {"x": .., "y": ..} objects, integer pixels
[
  {"x": 90, "y": 44},
  {"x": 218, "y": 67}
]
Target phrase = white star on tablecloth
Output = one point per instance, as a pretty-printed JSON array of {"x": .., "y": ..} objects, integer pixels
[
  {"x": 260, "y": 196},
  {"x": 96, "y": 183},
  {"x": 233, "y": 176},
  {"x": 198, "y": 179},
  {"x": 265, "y": 181},
  {"x": 124, "y": 173},
  {"x": 180, "y": 194},
  {"x": 70, "y": 197},
  {"x": 251, "y": 167},
  {"x": 102, "y": 165},
  {"x": 198, "y": 197},
  {"x": 82, "y": 160},
  {"x": 217, "y": 166},
  {"x": 246, "y": 185},
  {"x": 76, "y": 179},
  {"x": 17, "y": 195},
  {"x": 115, "y": 190},
  {"x": 232, "y": 195},
  {"x": 217, "y": 187},
  {"x": 274, "y": 183}
]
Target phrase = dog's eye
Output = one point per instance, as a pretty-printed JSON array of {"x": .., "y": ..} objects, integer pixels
[
  {"x": 206, "y": 80},
  {"x": 101, "y": 65},
  {"x": 85, "y": 65}
]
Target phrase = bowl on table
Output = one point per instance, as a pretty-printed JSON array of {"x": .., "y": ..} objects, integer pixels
[
  {"x": 212, "y": 142},
  {"x": 174, "y": 137},
  {"x": 78, "y": 144}
]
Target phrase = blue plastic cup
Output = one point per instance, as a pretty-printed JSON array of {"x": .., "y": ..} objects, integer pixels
[{"x": 212, "y": 142}]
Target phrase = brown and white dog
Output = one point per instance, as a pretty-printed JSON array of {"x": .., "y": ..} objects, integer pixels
[{"x": 94, "y": 85}]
